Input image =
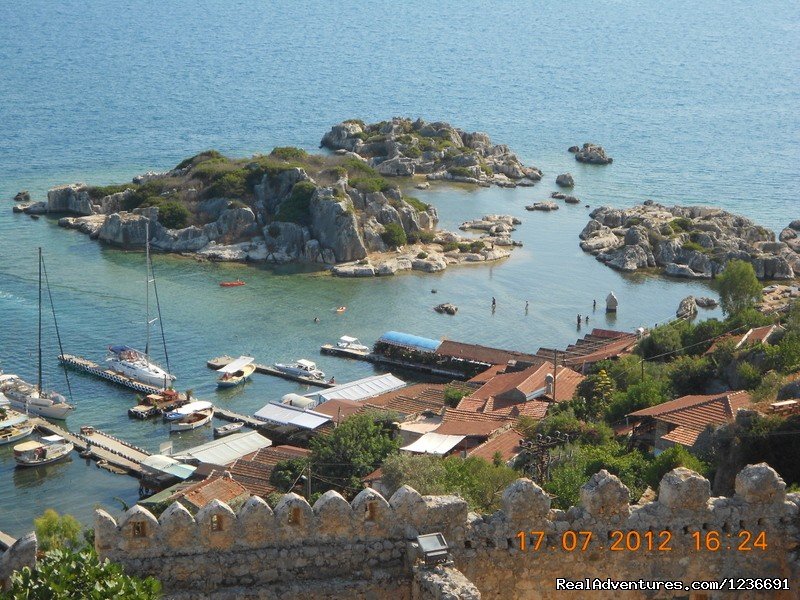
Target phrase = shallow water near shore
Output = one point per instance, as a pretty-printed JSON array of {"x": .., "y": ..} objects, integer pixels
[{"x": 711, "y": 120}]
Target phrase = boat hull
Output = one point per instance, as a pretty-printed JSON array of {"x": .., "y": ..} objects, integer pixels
[
  {"x": 157, "y": 378},
  {"x": 25, "y": 463},
  {"x": 189, "y": 425},
  {"x": 54, "y": 411},
  {"x": 21, "y": 433},
  {"x": 227, "y": 430},
  {"x": 235, "y": 380}
]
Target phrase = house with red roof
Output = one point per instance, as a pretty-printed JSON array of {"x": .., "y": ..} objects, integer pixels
[
  {"x": 686, "y": 420},
  {"x": 757, "y": 335}
]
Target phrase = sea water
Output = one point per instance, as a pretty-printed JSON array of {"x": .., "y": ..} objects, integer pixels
[{"x": 697, "y": 103}]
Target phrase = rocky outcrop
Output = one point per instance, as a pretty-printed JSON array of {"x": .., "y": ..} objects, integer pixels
[
  {"x": 402, "y": 147},
  {"x": 686, "y": 241},
  {"x": 543, "y": 206},
  {"x": 22, "y": 196},
  {"x": 565, "y": 180},
  {"x": 446, "y": 308},
  {"x": 73, "y": 198},
  {"x": 592, "y": 154},
  {"x": 493, "y": 224},
  {"x": 335, "y": 226},
  {"x": 275, "y": 188},
  {"x": 687, "y": 309}
]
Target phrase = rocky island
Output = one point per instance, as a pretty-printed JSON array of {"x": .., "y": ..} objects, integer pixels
[
  {"x": 688, "y": 241},
  {"x": 337, "y": 210}
]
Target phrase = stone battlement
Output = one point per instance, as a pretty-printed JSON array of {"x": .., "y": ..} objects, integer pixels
[{"x": 362, "y": 549}]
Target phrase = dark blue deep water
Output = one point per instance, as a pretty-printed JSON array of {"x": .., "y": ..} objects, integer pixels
[{"x": 698, "y": 102}]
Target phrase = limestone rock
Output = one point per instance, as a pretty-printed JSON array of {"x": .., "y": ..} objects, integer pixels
[
  {"x": 604, "y": 495},
  {"x": 73, "y": 198},
  {"x": 524, "y": 500},
  {"x": 687, "y": 309},
  {"x": 565, "y": 180},
  {"x": 127, "y": 230},
  {"x": 682, "y": 488},
  {"x": 593, "y": 154},
  {"x": 22, "y": 196},
  {"x": 446, "y": 308},
  {"x": 334, "y": 225},
  {"x": 706, "y": 302},
  {"x": 433, "y": 264},
  {"x": 543, "y": 206},
  {"x": 274, "y": 189},
  {"x": 760, "y": 484}
]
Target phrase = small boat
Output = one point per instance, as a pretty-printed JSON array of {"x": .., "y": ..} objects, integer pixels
[
  {"x": 14, "y": 427},
  {"x": 236, "y": 372},
  {"x": 236, "y": 283},
  {"x": 193, "y": 420},
  {"x": 227, "y": 429},
  {"x": 301, "y": 368},
  {"x": 341, "y": 309},
  {"x": 50, "y": 449},
  {"x": 350, "y": 343},
  {"x": 186, "y": 409}
]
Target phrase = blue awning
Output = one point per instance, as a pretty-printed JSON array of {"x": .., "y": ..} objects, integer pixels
[{"x": 410, "y": 341}]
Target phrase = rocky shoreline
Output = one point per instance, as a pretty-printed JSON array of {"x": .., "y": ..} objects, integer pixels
[
  {"x": 337, "y": 211},
  {"x": 692, "y": 242}
]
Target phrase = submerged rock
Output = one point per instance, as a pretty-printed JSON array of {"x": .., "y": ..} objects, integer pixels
[
  {"x": 565, "y": 180},
  {"x": 446, "y": 308},
  {"x": 593, "y": 154},
  {"x": 543, "y": 206},
  {"x": 22, "y": 196}
]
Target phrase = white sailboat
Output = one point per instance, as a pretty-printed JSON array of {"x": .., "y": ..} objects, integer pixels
[
  {"x": 136, "y": 364},
  {"x": 32, "y": 399}
]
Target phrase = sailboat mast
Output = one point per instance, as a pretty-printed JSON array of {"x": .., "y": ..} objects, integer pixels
[
  {"x": 39, "y": 379},
  {"x": 147, "y": 287}
]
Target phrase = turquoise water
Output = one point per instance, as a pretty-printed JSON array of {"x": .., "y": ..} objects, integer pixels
[{"x": 696, "y": 102}]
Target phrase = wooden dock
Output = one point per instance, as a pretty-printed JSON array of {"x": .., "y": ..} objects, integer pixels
[
  {"x": 221, "y": 361},
  {"x": 111, "y": 453},
  {"x": 92, "y": 368},
  {"x": 229, "y": 415}
]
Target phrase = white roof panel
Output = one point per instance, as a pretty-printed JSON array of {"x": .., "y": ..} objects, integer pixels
[
  {"x": 348, "y": 340},
  {"x": 167, "y": 464},
  {"x": 228, "y": 449},
  {"x": 188, "y": 409},
  {"x": 236, "y": 365},
  {"x": 434, "y": 443},
  {"x": 360, "y": 389},
  {"x": 283, "y": 414}
]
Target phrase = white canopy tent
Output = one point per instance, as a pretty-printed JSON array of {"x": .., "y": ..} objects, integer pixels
[
  {"x": 434, "y": 443},
  {"x": 236, "y": 365}
]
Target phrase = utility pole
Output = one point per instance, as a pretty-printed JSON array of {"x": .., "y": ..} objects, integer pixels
[
  {"x": 555, "y": 368},
  {"x": 308, "y": 482}
]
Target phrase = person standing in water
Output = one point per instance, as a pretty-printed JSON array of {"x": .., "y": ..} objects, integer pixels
[
  {"x": 526, "y": 307},
  {"x": 579, "y": 320},
  {"x": 594, "y": 304}
]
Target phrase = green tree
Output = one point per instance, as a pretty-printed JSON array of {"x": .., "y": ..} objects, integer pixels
[
  {"x": 286, "y": 473},
  {"x": 593, "y": 395},
  {"x": 423, "y": 472},
  {"x": 394, "y": 235},
  {"x": 453, "y": 395},
  {"x": 71, "y": 575},
  {"x": 57, "y": 532},
  {"x": 663, "y": 342},
  {"x": 642, "y": 394},
  {"x": 689, "y": 375},
  {"x": 674, "y": 457},
  {"x": 738, "y": 287},
  {"x": 341, "y": 458}
]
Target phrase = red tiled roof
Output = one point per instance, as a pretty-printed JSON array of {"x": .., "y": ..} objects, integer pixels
[
  {"x": 529, "y": 380},
  {"x": 482, "y": 354},
  {"x": 506, "y": 443},
  {"x": 339, "y": 409},
  {"x": 598, "y": 345},
  {"x": 461, "y": 422},
  {"x": 221, "y": 488},
  {"x": 752, "y": 336},
  {"x": 685, "y": 436},
  {"x": 698, "y": 411},
  {"x": 416, "y": 398},
  {"x": 254, "y": 470},
  {"x": 486, "y": 375}
]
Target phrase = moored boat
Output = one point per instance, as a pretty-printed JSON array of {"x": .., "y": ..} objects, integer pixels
[
  {"x": 236, "y": 372},
  {"x": 187, "y": 409},
  {"x": 236, "y": 283},
  {"x": 25, "y": 398},
  {"x": 12, "y": 433},
  {"x": 50, "y": 449},
  {"x": 227, "y": 429},
  {"x": 350, "y": 343},
  {"x": 193, "y": 420},
  {"x": 301, "y": 368}
]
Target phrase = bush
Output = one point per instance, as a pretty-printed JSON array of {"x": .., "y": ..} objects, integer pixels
[
  {"x": 295, "y": 209},
  {"x": 198, "y": 158},
  {"x": 173, "y": 214},
  {"x": 689, "y": 375},
  {"x": 693, "y": 246},
  {"x": 460, "y": 172},
  {"x": 146, "y": 191},
  {"x": 230, "y": 185},
  {"x": 213, "y": 168},
  {"x": 487, "y": 170},
  {"x": 57, "y": 532},
  {"x": 680, "y": 224},
  {"x": 69, "y": 575},
  {"x": 453, "y": 395},
  {"x": 355, "y": 165},
  {"x": 644, "y": 394},
  {"x": 412, "y": 151},
  {"x": 563, "y": 419},
  {"x": 417, "y": 203},
  {"x": 450, "y": 246},
  {"x": 749, "y": 375},
  {"x": 739, "y": 288},
  {"x": 394, "y": 235},
  {"x": 370, "y": 184},
  {"x": 422, "y": 255},
  {"x": 664, "y": 341},
  {"x": 96, "y": 192},
  {"x": 426, "y": 236},
  {"x": 674, "y": 457},
  {"x": 289, "y": 153}
]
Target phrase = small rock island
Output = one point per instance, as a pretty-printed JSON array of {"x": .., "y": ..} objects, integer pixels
[
  {"x": 338, "y": 210},
  {"x": 688, "y": 241}
]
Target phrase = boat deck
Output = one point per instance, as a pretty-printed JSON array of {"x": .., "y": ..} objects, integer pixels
[
  {"x": 110, "y": 453},
  {"x": 92, "y": 368},
  {"x": 221, "y": 361},
  {"x": 334, "y": 350}
]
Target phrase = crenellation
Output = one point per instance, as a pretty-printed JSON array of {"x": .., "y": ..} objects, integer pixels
[{"x": 370, "y": 539}]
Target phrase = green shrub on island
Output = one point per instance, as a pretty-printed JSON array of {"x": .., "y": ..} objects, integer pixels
[
  {"x": 288, "y": 153},
  {"x": 233, "y": 184},
  {"x": 450, "y": 247},
  {"x": 416, "y": 203},
  {"x": 394, "y": 235},
  {"x": 198, "y": 158},
  {"x": 422, "y": 255},
  {"x": 672, "y": 458},
  {"x": 693, "y": 246},
  {"x": 356, "y": 165},
  {"x": 680, "y": 224},
  {"x": 173, "y": 215},
  {"x": 487, "y": 170},
  {"x": 295, "y": 209},
  {"x": 97, "y": 192},
  {"x": 739, "y": 287},
  {"x": 461, "y": 172},
  {"x": 370, "y": 184},
  {"x": 358, "y": 122},
  {"x": 412, "y": 151}
]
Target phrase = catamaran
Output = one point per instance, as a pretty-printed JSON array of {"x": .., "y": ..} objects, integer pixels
[
  {"x": 32, "y": 399},
  {"x": 136, "y": 364}
]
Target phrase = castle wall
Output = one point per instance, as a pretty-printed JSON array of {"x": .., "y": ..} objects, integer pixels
[{"x": 364, "y": 549}]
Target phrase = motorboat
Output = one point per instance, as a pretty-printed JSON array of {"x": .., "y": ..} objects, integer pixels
[
  {"x": 13, "y": 425},
  {"x": 301, "y": 368},
  {"x": 186, "y": 409},
  {"x": 26, "y": 398},
  {"x": 350, "y": 343},
  {"x": 48, "y": 450},
  {"x": 194, "y": 419},
  {"x": 137, "y": 365},
  {"x": 236, "y": 283},
  {"x": 236, "y": 372},
  {"x": 227, "y": 429}
]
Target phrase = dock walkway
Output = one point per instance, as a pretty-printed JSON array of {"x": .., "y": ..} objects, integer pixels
[
  {"x": 221, "y": 361},
  {"x": 229, "y": 415},
  {"x": 110, "y": 452},
  {"x": 92, "y": 368}
]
